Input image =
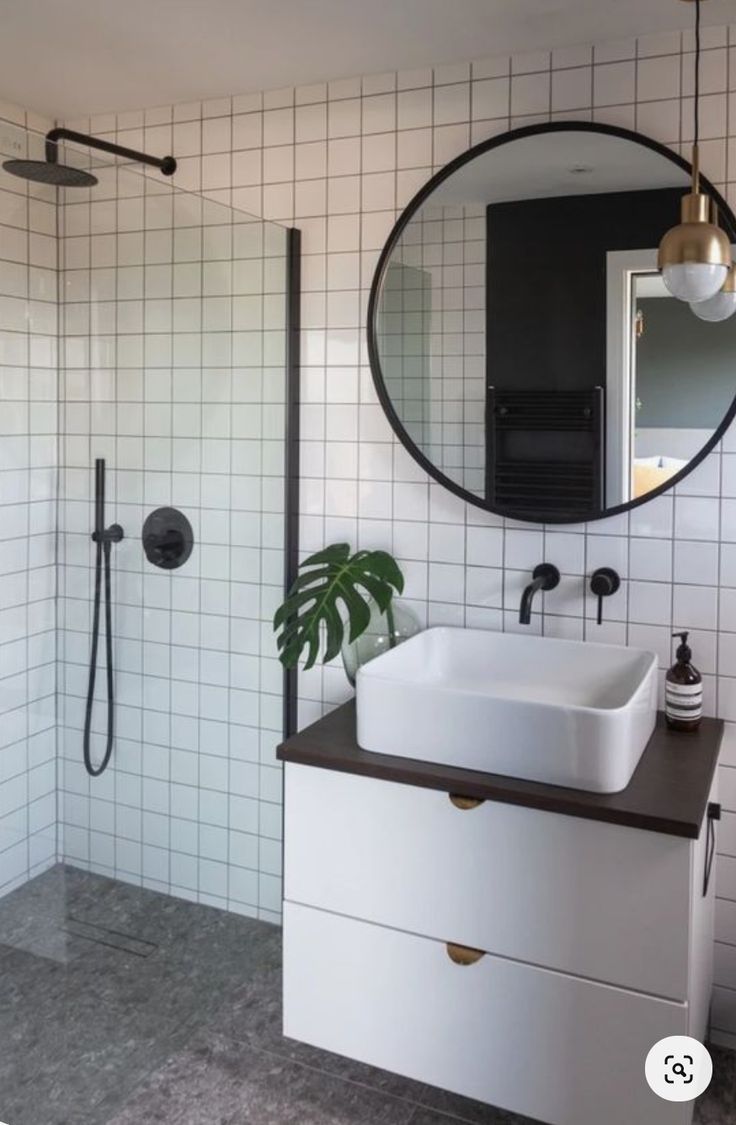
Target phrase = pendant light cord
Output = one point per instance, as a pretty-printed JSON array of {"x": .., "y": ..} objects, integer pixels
[{"x": 697, "y": 72}]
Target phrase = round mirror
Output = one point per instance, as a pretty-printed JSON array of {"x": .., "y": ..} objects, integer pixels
[{"x": 522, "y": 342}]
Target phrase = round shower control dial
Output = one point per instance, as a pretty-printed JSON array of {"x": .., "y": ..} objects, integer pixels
[{"x": 168, "y": 538}]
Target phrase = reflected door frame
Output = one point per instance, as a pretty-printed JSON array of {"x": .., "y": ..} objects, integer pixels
[{"x": 622, "y": 267}]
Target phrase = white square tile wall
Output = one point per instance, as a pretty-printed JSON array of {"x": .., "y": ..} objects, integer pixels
[
  {"x": 173, "y": 370},
  {"x": 431, "y": 338},
  {"x": 28, "y": 458},
  {"x": 340, "y": 160}
]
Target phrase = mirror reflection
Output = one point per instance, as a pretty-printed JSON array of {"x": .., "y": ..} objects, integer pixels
[
  {"x": 525, "y": 342},
  {"x": 681, "y": 371}
]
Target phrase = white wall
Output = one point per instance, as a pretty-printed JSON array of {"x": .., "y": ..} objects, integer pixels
[
  {"x": 340, "y": 160},
  {"x": 28, "y": 284},
  {"x": 662, "y": 442}
]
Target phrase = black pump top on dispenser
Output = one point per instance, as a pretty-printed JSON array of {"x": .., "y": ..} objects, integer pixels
[{"x": 684, "y": 652}]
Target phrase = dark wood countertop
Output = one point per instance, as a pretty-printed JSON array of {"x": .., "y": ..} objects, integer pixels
[{"x": 668, "y": 792}]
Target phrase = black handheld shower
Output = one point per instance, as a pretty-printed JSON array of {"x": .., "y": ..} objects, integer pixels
[{"x": 103, "y": 538}]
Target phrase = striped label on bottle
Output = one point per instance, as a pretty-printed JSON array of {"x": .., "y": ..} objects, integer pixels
[{"x": 683, "y": 701}]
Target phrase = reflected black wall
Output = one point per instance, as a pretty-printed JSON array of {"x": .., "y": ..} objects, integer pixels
[{"x": 546, "y": 282}]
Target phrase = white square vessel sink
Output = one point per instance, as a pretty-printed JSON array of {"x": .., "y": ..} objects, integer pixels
[{"x": 561, "y": 712}]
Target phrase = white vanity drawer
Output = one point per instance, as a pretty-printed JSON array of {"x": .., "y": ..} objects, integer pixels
[
  {"x": 594, "y": 899},
  {"x": 556, "y": 1048}
]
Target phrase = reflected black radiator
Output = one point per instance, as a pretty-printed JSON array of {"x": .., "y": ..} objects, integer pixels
[{"x": 545, "y": 452}]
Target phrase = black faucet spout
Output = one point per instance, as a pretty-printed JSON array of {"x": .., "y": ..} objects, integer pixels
[
  {"x": 544, "y": 577},
  {"x": 525, "y": 609}
]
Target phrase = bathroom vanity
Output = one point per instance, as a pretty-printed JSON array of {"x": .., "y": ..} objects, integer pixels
[{"x": 520, "y": 943}]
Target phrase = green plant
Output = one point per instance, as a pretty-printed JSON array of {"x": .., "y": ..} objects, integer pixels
[{"x": 333, "y": 578}]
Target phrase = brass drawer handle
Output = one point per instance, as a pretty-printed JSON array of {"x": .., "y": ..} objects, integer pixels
[
  {"x": 463, "y": 954},
  {"x": 465, "y": 803}
]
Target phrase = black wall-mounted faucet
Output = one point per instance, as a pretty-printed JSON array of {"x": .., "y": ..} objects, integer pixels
[
  {"x": 603, "y": 582},
  {"x": 545, "y": 577}
]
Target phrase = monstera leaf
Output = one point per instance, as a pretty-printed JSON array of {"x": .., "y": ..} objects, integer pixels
[{"x": 333, "y": 580}]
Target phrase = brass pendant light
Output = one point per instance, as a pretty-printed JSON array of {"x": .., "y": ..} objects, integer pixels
[{"x": 695, "y": 256}]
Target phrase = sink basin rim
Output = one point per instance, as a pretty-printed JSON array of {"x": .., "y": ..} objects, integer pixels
[{"x": 375, "y": 670}]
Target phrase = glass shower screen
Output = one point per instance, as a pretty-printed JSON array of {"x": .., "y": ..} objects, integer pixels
[{"x": 173, "y": 369}]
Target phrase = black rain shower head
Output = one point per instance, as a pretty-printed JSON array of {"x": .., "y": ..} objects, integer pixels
[
  {"x": 44, "y": 172},
  {"x": 49, "y": 171}
]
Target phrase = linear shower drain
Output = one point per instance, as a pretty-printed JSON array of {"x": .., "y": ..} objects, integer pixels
[{"x": 113, "y": 939}]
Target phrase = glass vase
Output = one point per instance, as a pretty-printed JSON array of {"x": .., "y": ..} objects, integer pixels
[{"x": 385, "y": 631}]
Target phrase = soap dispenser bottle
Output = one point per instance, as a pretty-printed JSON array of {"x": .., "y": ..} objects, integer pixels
[{"x": 683, "y": 690}]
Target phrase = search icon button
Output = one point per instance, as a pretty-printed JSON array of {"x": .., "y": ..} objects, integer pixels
[{"x": 678, "y": 1068}]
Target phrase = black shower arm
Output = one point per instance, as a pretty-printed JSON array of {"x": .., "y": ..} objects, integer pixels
[{"x": 167, "y": 164}]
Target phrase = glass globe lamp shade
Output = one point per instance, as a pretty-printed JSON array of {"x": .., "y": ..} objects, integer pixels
[
  {"x": 722, "y": 305},
  {"x": 694, "y": 282},
  {"x": 694, "y": 256}
]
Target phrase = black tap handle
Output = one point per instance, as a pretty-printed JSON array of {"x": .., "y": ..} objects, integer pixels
[
  {"x": 603, "y": 582},
  {"x": 166, "y": 546}
]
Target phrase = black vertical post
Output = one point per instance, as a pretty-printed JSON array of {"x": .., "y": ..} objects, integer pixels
[
  {"x": 291, "y": 466},
  {"x": 489, "y": 410}
]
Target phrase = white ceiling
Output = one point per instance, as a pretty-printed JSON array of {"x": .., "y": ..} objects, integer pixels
[
  {"x": 554, "y": 164},
  {"x": 70, "y": 58}
]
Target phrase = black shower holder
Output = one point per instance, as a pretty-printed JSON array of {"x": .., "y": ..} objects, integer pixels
[{"x": 112, "y": 534}]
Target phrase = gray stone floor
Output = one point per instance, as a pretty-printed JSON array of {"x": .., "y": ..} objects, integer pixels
[{"x": 120, "y": 1006}]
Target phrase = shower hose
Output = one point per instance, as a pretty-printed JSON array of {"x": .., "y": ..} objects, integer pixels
[{"x": 103, "y": 540}]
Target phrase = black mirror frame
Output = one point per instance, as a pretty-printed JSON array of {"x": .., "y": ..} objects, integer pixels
[{"x": 728, "y": 222}]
